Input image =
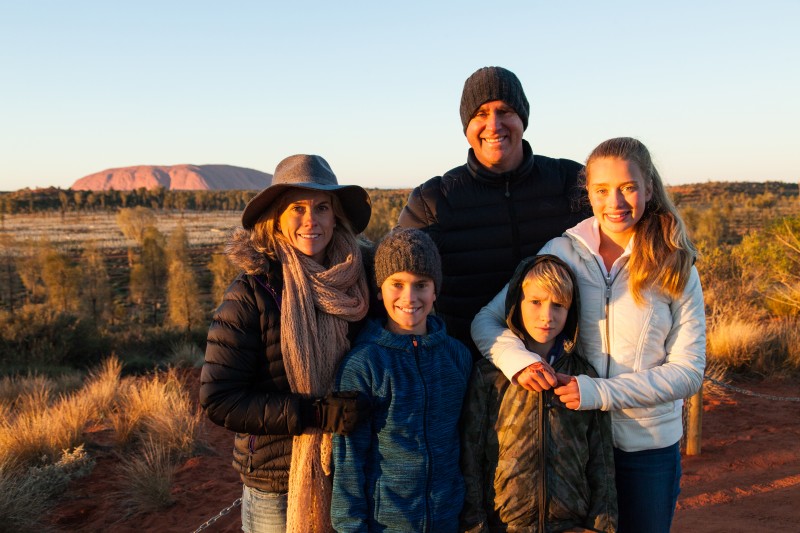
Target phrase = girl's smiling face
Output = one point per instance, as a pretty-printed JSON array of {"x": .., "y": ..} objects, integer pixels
[{"x": 618, "y": 193}]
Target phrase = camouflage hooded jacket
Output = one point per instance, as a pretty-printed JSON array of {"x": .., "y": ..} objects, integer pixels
[{"x": 529, "y": 463}]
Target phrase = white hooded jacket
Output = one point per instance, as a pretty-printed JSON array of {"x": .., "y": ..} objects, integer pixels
[{"x": 649, "y": 357}]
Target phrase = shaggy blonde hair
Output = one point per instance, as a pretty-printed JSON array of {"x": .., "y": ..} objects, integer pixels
[
  {"x": 552, "y": 278},
  {"x": 663, "y": 254}
]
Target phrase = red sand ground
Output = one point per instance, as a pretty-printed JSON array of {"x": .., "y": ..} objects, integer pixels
[{"x": 747, "y": 477}]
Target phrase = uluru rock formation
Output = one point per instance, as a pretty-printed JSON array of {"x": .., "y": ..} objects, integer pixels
[{"x": 175, "y": 177}]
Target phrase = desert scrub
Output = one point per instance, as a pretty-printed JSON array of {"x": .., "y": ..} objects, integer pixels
[
  {"x": 733, "y": 343},
  {"x": 767, "y": 348},
  {"x": 43, "y": 424},
  {"x": 102, "y": 386},
  {"x": 20, "y": 398},
  {"x": 147, "y": 476},
  {"x": 26, "y": 392},
  {"x": 186, "y": 355},
  {"x": 34, "y": 336},
  {"x": 157, "y": 406},
  {"x": 27, "y": 494},
  {"x": 37, "y": 433}
]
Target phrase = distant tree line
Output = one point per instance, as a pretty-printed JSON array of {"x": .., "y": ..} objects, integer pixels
[{"x": 54, "y": 199}]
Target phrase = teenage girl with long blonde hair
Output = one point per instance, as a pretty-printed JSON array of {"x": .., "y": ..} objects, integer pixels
[{"x": 642, "y": 327}]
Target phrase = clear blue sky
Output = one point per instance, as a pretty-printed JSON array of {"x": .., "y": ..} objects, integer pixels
[{"x": 712, "y": 87}]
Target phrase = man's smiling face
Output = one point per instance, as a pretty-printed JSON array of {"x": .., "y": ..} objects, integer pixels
[{"x": 495, "y": 135}]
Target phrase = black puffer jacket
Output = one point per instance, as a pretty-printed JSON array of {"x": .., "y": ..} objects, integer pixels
[
  {"x": 484, "y": 224},
  {"x": 243, "y": 382}
]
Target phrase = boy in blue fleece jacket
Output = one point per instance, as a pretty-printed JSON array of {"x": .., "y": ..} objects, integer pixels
[{"x": 401, "y": 471}]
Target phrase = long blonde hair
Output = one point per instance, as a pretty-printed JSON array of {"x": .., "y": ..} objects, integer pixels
[{"x": 663, "y": 254}]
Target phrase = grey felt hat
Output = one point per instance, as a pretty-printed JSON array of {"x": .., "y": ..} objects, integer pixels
[
  {"x": 493, "y": 83},
  {"x": 310, "y": 172}
]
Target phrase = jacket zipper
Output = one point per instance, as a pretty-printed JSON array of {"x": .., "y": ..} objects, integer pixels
[
  {"x": 424, "y": 433},
  {"x": 608, "y": 327},
  {"x": 609, "y": 283},
  {"x": 542, "y": 463},
  {"x": 251, "y": 445},
  {"x": 515, "y": 246}
]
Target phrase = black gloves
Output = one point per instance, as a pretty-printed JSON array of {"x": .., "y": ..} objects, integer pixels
[{"x": 338, "y": 412}]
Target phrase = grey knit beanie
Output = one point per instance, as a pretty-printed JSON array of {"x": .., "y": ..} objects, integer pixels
[
  {"x": 493, "y": 83},
  {"x": 408, "y": 250}
]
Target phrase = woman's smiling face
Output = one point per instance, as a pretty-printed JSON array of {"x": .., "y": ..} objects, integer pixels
[{"x": 308, "y": 222}]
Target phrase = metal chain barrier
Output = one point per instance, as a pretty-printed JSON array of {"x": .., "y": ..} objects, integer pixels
[
  {"x": 751, "y": 393},
  {"x": 236, "y": 503},
  {"x": 734, "y": 388}
]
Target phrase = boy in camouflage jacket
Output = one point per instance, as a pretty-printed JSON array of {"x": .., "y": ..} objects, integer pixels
[{"x": 529, "y": 463}]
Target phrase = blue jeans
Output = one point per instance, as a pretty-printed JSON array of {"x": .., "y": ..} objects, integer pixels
[
  {"x": 648, "y": 484},
  {"x": 263, "y": 512}
]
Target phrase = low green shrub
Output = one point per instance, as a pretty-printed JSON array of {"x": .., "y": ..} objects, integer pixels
[{"x": 36, "y": 337}]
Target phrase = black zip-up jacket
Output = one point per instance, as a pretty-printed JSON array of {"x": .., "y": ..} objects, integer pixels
[
  {"x": 243, "y": 384},
  {"x": 484, "y": 224}
]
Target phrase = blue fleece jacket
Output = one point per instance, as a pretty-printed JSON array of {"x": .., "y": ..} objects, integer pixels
[{"x": 400, "y": 472}]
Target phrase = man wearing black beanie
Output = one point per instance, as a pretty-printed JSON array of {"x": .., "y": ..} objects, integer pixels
[{"x": 498, "y": 208}]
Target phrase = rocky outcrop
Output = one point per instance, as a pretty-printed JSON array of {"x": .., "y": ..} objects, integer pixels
[{"x": 176, "y": 177}]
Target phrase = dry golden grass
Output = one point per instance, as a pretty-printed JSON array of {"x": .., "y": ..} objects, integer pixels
[
  {"x": 786, "y": 333},
  {"x": 102, "y": 386},
  {"x": 177, "y": 427},
  {"x": 186, "y": 355},
  {"x": 34, "y": 425},
  {"x": 159, "y": 407},
  {"x": 148, "y": 477},
  {"x": 43, "y": 433},
  {"x": 43, "y": 426},
  {"x": 36, "y": 398},
  {"x": 34, "y": 391},
  {"x": 733, "y": 342},
  {"x": 757, "y": 346},
  {"x": 139, "y": 398},
  {"x": 19, "y": 391},
  {"x": 154, "y": 418}
]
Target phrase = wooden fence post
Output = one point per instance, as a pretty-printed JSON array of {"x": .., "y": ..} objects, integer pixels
[{"x": 694, "y": 423}]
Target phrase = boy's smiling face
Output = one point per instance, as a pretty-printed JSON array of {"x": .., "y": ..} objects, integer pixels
[
  {"x": 542, "y": 316},
  {"x": 408, "y": 299}
]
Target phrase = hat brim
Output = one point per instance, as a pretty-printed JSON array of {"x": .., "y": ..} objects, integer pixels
[{"x": 354, "y": 199}]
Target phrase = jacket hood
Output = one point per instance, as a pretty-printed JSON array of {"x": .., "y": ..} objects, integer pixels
[
  {"x": 513, "y": 318},
  {"x": 242, "y": 253}
]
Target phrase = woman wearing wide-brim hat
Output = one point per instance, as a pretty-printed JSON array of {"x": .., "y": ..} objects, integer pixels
[{"x": 278, "y": 336}]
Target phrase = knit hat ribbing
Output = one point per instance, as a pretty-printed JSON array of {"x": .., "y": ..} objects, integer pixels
[
  {"x": 493, "y": 83},
  {"x": 408, "y": 250}
]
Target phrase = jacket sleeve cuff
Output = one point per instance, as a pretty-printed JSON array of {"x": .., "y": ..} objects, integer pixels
[
  {"x": 514, "y": 361},
  {"x": 590, "y": 394}
]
